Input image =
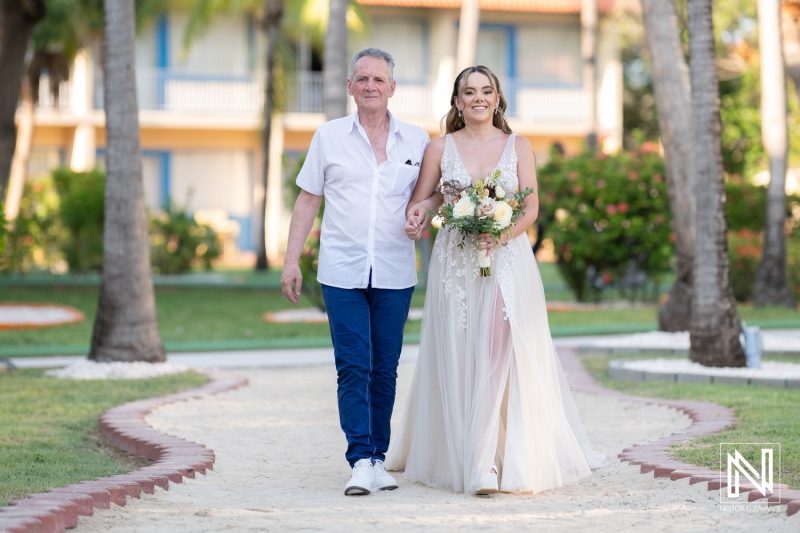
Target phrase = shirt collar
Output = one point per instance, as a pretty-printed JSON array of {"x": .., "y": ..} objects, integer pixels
[{"x": 355, "y": 124}]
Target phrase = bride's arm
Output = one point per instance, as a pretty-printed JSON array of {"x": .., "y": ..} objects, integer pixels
[
  {"x": 526, "y": 174},
  {"x": 425, "y": 196}
]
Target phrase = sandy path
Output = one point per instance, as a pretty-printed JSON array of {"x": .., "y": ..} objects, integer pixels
[{"x": 280, "y": 467}]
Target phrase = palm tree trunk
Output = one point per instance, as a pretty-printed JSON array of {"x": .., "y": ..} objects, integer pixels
[
  {"x": 125, "y": 328},
  {"x": 715, "y": 328},
  {"x": 771, "y": 287},
  {"x": 468, "y": 33},
  {"x": 335, "y": 71},
  {"x": 673, "y": 99},
  {"x": 18, "y": 17},
  {"x": 790, "y": 29},
  {"x": 271, "y": 25},
  {"x": 22, "y": 152}
]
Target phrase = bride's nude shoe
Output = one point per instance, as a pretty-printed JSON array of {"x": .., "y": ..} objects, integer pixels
[{"x": 489, "y": 485}]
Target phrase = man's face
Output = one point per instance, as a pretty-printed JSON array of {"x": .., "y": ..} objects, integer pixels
[{"x": 370, "y": 86}]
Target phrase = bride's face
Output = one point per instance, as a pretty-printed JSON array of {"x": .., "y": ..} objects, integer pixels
[{"x": 478, "y": 99}]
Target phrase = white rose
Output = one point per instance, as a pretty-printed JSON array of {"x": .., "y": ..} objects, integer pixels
[
  {"x": 463, "y": 208},
  {"x": 499, "y": 192},
  {"x": 502, "y": 214}
]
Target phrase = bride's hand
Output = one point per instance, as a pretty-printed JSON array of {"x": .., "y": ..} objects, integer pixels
[
  {"x": 485, "y": 241},
  {"x": 418, "y": 220}
]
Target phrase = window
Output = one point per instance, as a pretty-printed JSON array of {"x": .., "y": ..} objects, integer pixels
[
  {"x": 549, "y": 55},
  {"x": 407, "y": 41}
]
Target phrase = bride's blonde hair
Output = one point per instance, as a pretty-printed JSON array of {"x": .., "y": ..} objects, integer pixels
[{"x": 453, "y": 122}]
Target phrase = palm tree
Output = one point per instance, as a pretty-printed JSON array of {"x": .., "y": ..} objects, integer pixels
[
  {"x": 125, "y": 328},
  {"x": 54, "y": 43},
  {"x": 771, "y": 287},
  {"x": 715, "y": 327},
  {"x": 673, "y": 99},
  {"x": 271, "y": 25},
  {"x": 335, "y": 70},
  {"x": 18, "y": 18},
  {"x": 468, "y": 34}
]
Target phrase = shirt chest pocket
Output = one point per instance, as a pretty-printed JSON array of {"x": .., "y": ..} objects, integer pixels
[{"x": 404, "y": 176}]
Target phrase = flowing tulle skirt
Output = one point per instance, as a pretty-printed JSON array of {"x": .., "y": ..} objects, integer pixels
[{"x": 488, "y": 390}]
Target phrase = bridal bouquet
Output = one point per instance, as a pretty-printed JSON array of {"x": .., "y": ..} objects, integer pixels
[{"x": 484, "y": 208}]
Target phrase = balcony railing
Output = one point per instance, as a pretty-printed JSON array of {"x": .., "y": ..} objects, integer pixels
[{"x": 242, "y": 94}]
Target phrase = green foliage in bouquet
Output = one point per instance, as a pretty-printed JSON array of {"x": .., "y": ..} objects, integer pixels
[
  {"x": 609, "y": 218},
  {"x": 179, "y": 244}
]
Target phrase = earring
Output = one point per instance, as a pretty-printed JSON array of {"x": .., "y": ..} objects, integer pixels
[
  {"x": 495, "y": 110},
  {"x": 459, "y": 112}
]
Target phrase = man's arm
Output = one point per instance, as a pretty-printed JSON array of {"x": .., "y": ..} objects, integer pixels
[{"x": 305, "y": 210}]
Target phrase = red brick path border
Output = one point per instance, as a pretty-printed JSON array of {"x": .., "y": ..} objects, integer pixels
[
  {"x": 125, "y": 427},
  {"x": 707, "y": 418}
]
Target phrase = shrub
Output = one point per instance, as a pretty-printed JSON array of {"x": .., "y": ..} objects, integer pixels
[
  {"x": 608, "y": 216},
  {"x": 309, "y": 259},
  {"x": 61, "y": 218},
  {"x": 33, "y": 240},
  {"x": 745, "y": 248},
  {"x": 81, "y": 213},
  {"x": 179, "y": 244},
  {"x": 745, "y": 205}
]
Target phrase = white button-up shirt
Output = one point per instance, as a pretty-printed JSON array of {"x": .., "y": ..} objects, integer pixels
[{"x": 365, "y": 203}]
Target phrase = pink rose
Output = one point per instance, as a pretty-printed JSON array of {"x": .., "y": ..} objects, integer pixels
[{"x": 487, "y": 208}]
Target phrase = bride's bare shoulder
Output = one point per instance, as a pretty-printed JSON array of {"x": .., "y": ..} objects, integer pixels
[{"x": 436, "y": 146}]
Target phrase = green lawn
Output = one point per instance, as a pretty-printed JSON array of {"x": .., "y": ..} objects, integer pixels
[
  {"x": 765, "y": 414},
  {"x": 226, "y": 311},
  {"x": 49, "y": 435}
]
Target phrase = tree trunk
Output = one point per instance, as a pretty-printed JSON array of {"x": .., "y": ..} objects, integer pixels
[
  {"x": 17, "y": 17},
  {"x": 771, "y": 287},
  {"x": 468, "y": 33},
  {"x": 271, "y": 25},
  {"x": 673, "y": 99},
  {"x": 715, "y": 328},
  {"x": 589, "y": 53},
  {"x": 125, "y": 328},
  {"x": 22, "y": 152},
  {"x": 335, "y": 72},
  {"x": 790, "y": 29}
]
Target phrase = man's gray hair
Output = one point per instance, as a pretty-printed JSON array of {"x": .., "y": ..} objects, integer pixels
[{"x": 376, "y": 53}]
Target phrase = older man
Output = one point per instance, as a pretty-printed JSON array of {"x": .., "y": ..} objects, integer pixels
[{"x": 366, "y": 166}]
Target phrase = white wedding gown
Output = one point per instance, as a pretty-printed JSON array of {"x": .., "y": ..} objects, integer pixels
[{"x": 488, "y": 389}]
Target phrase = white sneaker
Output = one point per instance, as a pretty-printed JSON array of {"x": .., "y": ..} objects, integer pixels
[
  {"x": 363, "y": 479},
  {"x": 383, "y": 480}
]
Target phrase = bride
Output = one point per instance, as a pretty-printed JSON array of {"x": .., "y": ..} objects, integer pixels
[{"x": 489, "y": 407}]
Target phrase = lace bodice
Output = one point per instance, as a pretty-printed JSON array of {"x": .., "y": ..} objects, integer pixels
[
  {"x": 455, "y": 177},
  {"x": 459, "y": 266}
]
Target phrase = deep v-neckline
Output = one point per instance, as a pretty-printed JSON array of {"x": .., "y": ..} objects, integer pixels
[{"x": 464, "y": 167}]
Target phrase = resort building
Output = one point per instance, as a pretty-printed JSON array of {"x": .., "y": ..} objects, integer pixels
[{"x": 201, "y": 106}]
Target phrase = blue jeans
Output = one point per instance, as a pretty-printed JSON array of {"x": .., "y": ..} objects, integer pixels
[{"x": 367, "y": 334}]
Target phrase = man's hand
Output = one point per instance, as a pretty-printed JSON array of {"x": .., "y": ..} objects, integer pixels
[
  {"x": 291, "y": 282},
  {"x": 418, "y": 220}
]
